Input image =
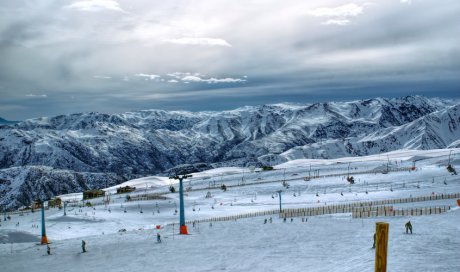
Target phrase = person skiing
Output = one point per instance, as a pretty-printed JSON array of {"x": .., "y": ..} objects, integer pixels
[
  {"x": 158, "y": 238},
  {"x": 270, "y": 220},
  {"x": 265, "y": 221},
  {"x": 83, "y": 246},
  {"x": 48, "y": 249},
  {"x": 375, "y": 235},
  {"x": 408, "y": 227}
]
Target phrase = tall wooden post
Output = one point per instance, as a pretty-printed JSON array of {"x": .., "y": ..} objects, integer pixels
[{"x": 381, "y": 246}]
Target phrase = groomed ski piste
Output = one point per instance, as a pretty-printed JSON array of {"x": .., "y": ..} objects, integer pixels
[{"x": 122, "y": 235}]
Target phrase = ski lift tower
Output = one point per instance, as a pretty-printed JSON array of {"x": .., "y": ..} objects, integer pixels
[
  {"x": 181, "y": 172},
  {"x": 43, "y": 240},
  {"x": 279, "y": 194}
]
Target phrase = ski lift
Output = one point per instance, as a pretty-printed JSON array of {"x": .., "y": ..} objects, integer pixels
[
  {"x": 451, "y": 169},
  {"x": 189, "y": 188},
  {"x": 208, "y": 195},
  {"x": 351, "y": 179}
]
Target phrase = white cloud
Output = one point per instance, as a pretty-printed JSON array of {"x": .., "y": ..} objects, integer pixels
[
  {"x": 191, "y": 78},
  {"x": 37, "y": 95},
  {"x": 173, "y": 81},
  {"x": 147, "y": 76},
  {"x": 339, "y": 15},
  {"x": 188, "y": 77},
  {"x": 180, "y": 75},
  {"x": 225, "y": 80},
  {"x": 96, "y": 5},
  {"x": 102, "y": 77},
  {"x": 340, "y": 22},
  {"x": 199, "y": 41},
  {"x": 406, "y": 2},
  {"x": 348, "y": 10}
]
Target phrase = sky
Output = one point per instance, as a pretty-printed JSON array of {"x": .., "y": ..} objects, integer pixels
[{"x": 61, "y": 56}]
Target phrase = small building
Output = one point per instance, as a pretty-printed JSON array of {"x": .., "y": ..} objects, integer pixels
[
  {"x": 126, "y": 189},
  {"x": 55, "y": 202},
  {"x": 93, "y": 193},
  {"x": 35, "y": 205}
]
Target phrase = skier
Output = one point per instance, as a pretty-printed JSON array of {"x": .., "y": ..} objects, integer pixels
[
  {"x": 158, "y": 238},
  {"x": 375, "y": 235},
  {"x": 408, "y": 227},
  {"x": 48, "y": 249},
  {"x": 284, "y": 220},
  {"x": 265, "y": 221},
  {"x": 292, "y": 220},
  {"x": 270, "y": 220},
  {"x": 83, "y": 246}
]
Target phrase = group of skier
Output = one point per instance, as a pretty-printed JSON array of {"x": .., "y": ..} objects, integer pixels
[
  {"x": 292, "y": 220},
  {"x": 83, "y": 247},
  {"x": 408, "y": 227}
]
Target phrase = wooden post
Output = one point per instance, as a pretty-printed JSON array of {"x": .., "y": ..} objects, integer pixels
[{"x": 381, "y": 246}]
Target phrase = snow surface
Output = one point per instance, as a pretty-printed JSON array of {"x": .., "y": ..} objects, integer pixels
[{"x": 324, "y": 243}]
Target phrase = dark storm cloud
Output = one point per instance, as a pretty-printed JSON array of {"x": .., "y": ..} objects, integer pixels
[{"x": 105, "y": 55}]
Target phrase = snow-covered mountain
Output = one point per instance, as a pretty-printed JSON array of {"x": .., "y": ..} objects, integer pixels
[{"x": 135, "y": 144}]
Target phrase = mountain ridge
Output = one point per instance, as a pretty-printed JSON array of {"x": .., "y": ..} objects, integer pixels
[{"x": 136, "y": 144}]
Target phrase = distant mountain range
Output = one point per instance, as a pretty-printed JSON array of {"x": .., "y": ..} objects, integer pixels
[
  {"x": 6, "y": 122},
  {"x": 46, "y": 156}
]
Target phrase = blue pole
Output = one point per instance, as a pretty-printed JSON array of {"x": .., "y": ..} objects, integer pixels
[
  {"x": 44, "y": 239},
  {"x": 181, "y": 203},
  {"x": 182, "y": 226},
  {"x": 279, "y": 193}
]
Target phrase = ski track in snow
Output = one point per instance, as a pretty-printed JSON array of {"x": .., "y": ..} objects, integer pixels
[{"x": 324, "y": 243}]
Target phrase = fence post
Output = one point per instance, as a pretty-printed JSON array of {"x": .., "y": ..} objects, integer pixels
[{"x": 381, "y": 246}]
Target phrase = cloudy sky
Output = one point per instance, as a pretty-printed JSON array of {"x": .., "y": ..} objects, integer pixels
[{"x": 63, "y": 56}]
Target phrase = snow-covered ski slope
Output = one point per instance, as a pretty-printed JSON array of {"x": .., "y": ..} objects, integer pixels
[{"x": 323, "y": 243}]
